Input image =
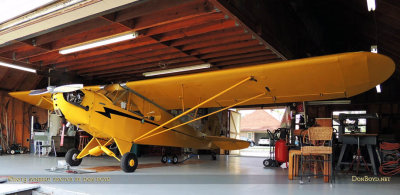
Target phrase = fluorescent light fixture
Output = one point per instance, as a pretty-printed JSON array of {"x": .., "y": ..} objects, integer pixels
[
  {"x": 374, "y": 48},
  {"x": 378, "y": 89},
  {"x": 25, "y": 6},
  {"x": 371, "y": 5},
  {"x": 174, "y": 70},
  {"x": 17, "y": 67},
  {"x": 99, "y": 42}
]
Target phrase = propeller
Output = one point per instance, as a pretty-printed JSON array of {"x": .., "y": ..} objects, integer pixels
[{"x": 60, "y": 89}]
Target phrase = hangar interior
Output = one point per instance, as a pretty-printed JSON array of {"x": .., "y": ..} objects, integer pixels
[{"x": 217, "y": 35}]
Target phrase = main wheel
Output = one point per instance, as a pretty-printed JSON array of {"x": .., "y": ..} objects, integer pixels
[
  {"x": 129, "y": 162},
  {"x": 71, "y": 159},
  {"x": 175, "y": 159},
  {"x": 164, "y": 159}
]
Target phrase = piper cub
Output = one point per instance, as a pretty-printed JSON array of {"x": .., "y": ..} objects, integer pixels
[{"x": 139, "y": 111}]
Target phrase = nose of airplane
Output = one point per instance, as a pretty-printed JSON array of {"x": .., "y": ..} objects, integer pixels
[{"x": 70, "y": 109}]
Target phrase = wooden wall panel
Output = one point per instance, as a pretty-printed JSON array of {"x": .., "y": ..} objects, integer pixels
[{"x": 18, "y": 114}]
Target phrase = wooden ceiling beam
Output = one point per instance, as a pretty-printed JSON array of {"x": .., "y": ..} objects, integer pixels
[
  {"x": 116, "y": 28},
  {"x": 194, "y": 26},
  {"x": 138, "y": 73},
  {"x": 239, "y": 56},
  {"x": 227, "y": 9},
  {"x": 144, "y": 8},
  {"x": 114, "y": 55},
  {"x": 130, "y": 64},
  {"x": 208, "y": 36},
  {"x": 94, "y": 23},
  {"x": 59, "y": 37},
  {"x": 77, "y": 62},
  {"x": 225, "y": 47},
  {"x": 23, "y": 52},
  {"x": 178, "y": 58},
  {"x": 245, "y": 60},
  {"x": 216, "y": 42},
  {"x": 162, "y": 54},
  {"x": 55, "y": 57},
  {"x": 177, "y": 14},
  {"x": 12, "y": 46},
  {"x": 233, "y": 52}
]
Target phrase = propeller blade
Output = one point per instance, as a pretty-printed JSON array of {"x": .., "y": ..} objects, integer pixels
[
  {"x": 67, "y": 88},
  {"x": 38, "y": 92}
]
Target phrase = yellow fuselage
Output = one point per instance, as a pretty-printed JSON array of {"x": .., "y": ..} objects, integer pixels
[{"x": 98, "y": 116}]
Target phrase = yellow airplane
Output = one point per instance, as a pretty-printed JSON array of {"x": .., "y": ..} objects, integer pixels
[{"x": 139, "y": 111}]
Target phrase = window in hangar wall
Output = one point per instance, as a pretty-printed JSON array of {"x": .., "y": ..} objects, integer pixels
[{"x": 362, "y": 122}]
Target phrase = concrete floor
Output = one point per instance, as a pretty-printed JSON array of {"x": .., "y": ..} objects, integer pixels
[{"x": 227, "y": 175}]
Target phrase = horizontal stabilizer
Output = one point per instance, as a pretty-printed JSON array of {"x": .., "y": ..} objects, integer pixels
[{"x": 228, "y": 143}]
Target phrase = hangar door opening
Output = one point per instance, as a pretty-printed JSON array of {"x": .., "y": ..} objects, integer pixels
[
  {"x": 253, "y": 127},
  {"x": 234, "y": 128}
]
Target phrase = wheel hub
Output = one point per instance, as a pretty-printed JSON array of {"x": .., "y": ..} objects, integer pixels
[
  {"x": 131, "y": 162},
  {"x": 74, "y": 156}
]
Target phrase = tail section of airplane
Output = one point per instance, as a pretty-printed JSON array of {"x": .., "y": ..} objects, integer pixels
[{"x": 228, "y": 143}]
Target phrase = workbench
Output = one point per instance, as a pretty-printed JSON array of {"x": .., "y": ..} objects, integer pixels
[{"x": 361, "y": 139}]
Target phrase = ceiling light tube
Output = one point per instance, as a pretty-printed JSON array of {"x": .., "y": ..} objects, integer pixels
[
  {"x": 174, "y": 70},
  {"x": 378, "y": 89},
  {"x": 99, "y": 42},
  {"x": 371, "y": 5},
  {"x": 17, "y": 67}
]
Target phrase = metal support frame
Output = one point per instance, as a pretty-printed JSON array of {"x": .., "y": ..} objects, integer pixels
[
  {"x": 195, "y": 107},
  {"x": 106, "y": 150}
]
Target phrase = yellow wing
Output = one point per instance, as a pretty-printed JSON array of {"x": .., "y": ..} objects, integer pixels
[
  {"x": 317, "y": 78},
  {"x": 42, "y": 101}
]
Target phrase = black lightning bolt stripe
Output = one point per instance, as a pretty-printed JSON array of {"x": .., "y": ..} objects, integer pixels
[{"x": 108, "y": 111}]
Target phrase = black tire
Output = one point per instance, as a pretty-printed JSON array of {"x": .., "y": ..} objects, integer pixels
[
  {"x": 266, "y": 163},
  {"x": 164, "y": 159},
  {"x": 71, "y": 159},
  {"x": 175, "y": 159},
  {"x": 129, "y": 162}
]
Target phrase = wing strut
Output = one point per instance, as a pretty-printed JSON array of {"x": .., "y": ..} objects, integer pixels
[
  {"x": 215, "y": 112},
  {"x": 195, "y": 107}
]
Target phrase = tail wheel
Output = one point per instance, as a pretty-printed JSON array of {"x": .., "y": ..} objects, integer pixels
[
  {"x": 164, "y": 159},
  {"x": 267, "y": 162},
  {"x": 71, "y": 157},
  {"x": 129, "y": 162},
  {"x": 213, "y": 156},
  {"x": 175, "y": 159}
]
